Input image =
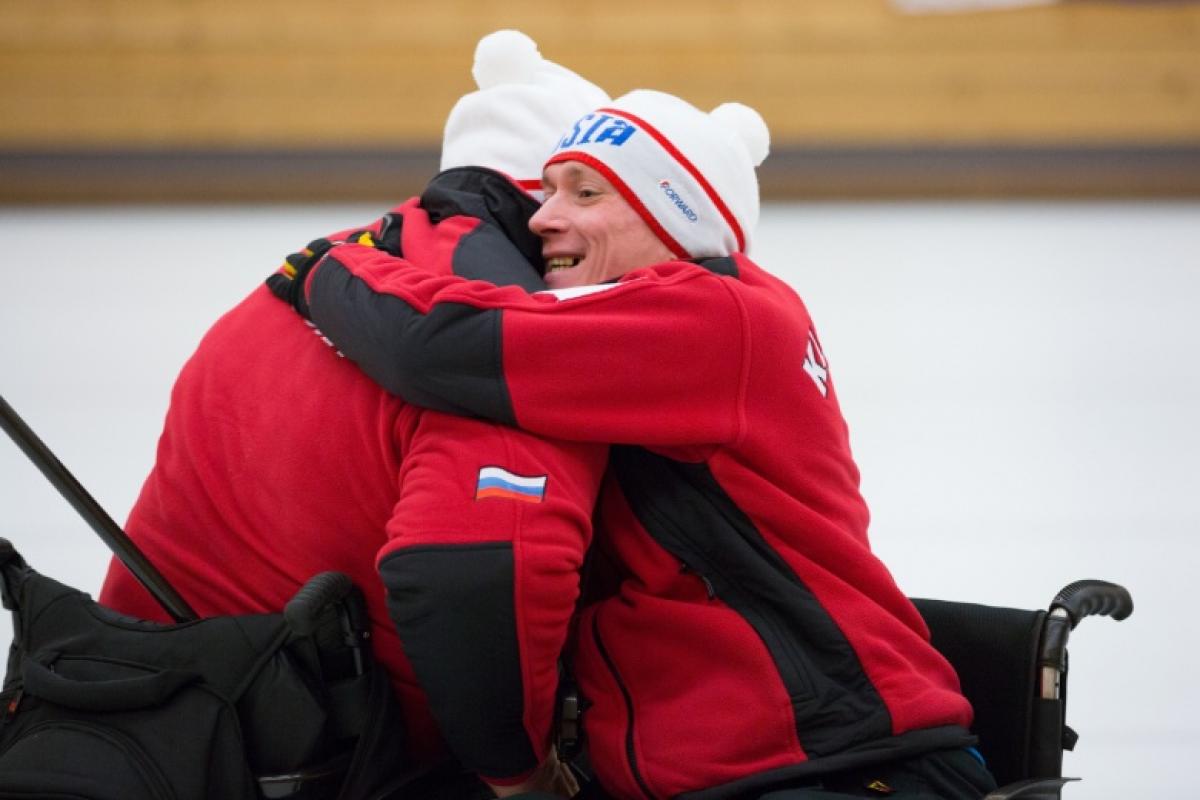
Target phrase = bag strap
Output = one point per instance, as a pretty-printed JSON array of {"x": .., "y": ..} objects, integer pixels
[
  {"x": 121, "y": 694},
  {"x": 12, "y": 568}
]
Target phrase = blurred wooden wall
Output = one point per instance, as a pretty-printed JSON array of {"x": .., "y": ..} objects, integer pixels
[{"x": 264, "y": 99}]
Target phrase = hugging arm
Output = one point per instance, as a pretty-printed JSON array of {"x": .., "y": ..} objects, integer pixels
[
  {"x": 481, "y": 570},
  {"x": 656, "y": 358}
]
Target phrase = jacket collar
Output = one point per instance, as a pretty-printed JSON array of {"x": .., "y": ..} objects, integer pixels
[{"x": 489, "y": 196}]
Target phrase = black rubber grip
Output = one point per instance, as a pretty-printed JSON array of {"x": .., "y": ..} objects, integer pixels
[
  {"x": 303, "y": 610},
  {"x": 1089, "y": 598}
]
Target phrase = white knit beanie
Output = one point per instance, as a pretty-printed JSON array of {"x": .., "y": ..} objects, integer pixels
[
  {"x": 690, "y": 174},
  {"x": 523, "y": 105}
]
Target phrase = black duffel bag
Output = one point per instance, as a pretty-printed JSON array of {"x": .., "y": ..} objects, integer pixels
[{"x": 100, "y": 706}]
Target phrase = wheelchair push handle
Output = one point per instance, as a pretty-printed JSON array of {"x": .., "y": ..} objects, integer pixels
[
  {"x": 1074, "y": 602},
  {"x": 303, "y": 611},
  {"x": 1093, "y": 598}
]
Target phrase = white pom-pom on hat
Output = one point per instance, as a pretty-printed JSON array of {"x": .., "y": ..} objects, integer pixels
[
  {"x": 749, "y": 127},
  {"x": 523, "y": 104},
  {"x": 505, "y": 57}
]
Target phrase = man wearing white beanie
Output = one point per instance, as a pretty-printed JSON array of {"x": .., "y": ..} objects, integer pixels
[
  {"x": 279, "y": 460},
  {"x": 748, "y": 641},
  {"x": 523, "y": 99},
  {"x": 701, "y": 204}
]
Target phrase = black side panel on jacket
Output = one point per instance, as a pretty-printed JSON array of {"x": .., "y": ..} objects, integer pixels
[
  {"x": 453, "y": 351},
  {"x": 450, "y": 603},
  {"x": 688, "y": 513}
]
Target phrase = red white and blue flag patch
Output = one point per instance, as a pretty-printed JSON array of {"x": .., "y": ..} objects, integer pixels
[{"x": 499, "y": 482}]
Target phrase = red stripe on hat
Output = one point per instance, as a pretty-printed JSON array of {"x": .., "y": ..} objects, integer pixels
[
  {"x": 526, "y": 185},
  {"x": 634, "y": 201},
  {"x": 691, "y": 168}
]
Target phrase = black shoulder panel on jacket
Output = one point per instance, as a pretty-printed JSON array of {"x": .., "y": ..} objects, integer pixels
[
  {"x": 453, "y": 608},
  {"x": 489, "y": 196},
  {"x": 448, "y": 360},
  {"x": 688, "y": 513},
  {"x": 724, "y": 265},
  {"x": 484, "y": 254}
]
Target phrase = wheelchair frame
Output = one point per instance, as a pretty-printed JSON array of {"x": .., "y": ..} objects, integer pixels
[{"x": 1012, "y": 664}]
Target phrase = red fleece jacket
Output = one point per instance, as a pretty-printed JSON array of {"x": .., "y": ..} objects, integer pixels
[{"x": 279, "y": 459}]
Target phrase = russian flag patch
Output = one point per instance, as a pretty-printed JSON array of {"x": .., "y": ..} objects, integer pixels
[{"x": 499, "y": 482}]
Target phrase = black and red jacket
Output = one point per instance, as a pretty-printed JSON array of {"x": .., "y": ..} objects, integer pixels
[
  {"x": 279, "y": 459},
  {"x": 752, "y": 635}
]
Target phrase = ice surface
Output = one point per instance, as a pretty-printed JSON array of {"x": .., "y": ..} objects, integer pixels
[{"x": 1020, "y": 380}]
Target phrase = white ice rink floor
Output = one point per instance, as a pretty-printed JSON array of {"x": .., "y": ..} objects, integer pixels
[{"x": 1021, "y": 383}]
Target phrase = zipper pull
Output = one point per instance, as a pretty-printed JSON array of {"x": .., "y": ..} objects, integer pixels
[
  {"x": 684, "y": 569},
  {"x": 10, "y": 708}
]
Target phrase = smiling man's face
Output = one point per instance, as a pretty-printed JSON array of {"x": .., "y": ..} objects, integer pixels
[{"x": 589, "y": 233}]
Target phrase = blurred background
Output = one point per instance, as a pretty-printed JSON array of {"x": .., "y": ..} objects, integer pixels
[
  {"x": 991, "y": 208},
  {"x": 125, "y": 100}
]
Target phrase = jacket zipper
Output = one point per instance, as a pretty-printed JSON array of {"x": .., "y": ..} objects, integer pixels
[
  {"x": 734, "y": 596},
  {"x": 630, "y": 754}
]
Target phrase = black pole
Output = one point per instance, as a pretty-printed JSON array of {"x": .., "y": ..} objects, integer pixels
[{"x": 95, "y": 516}]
